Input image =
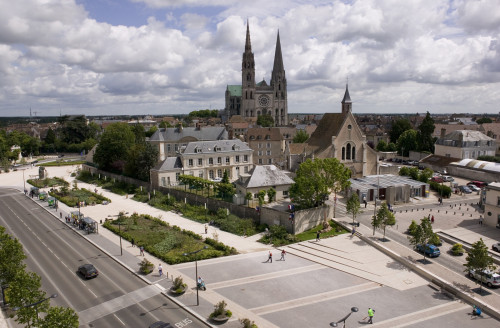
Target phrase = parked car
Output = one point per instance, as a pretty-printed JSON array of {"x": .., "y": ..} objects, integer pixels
[
  {"x": 447, "y": 178},
  {"x": 437, "y": 179},
  {"x": 160, "y": 324},
  {"x": 465, "y": 189},
  {"x": 488, "y": 277},
  {"x": 429, "y": 250},
  {"x": 473, "y": 187},
  {"x": 496, "y": 247},
  {"x": 480, "y": 184},
  {"x": 88, "y": 271}
]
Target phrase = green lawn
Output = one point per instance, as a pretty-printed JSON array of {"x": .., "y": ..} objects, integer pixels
[{"x": 73, "y": 196}]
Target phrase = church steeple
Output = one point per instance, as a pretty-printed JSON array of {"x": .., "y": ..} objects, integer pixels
[
  {"x": 278, "y": 57},
  {"x": 248, "y": 63},
  {"x": 248, "y": 44},
  {"x": 346, "y": 102},
  {"x": 278, "y": 82}
]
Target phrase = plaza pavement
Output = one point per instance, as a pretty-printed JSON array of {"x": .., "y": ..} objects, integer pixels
[{"x": 316, "y": 284}]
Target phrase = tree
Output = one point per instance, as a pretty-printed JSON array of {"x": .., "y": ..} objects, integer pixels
[
  {"x": 483, "y": 120},
  {"x": 111, "y": 152},
  {"x": 383, "y": 218},
  {"x": 73, "y": 130},
  {"x": 336, "y": 177},
  {"x": 265, "y": 121},
  {"x": 478, "y": 259},
  {"x": 406, "y": 142},
  {"x": 353, "y": 207},
  {"x": 398, "y": 127},
  {"x": 60, "y": 317},
  {"x": 391, "y": 147},
  {"x": 422, "y": 233},
  {"x": 381, "y": 146},
  {"x": 12, "y": 255},
  {"x": 248, "y": 197},
  {"x": 425, "y": 131},
  {"x": 225, "y": 177},
  {"x": 151, "y": 131},
  {"x": 50, "y": 138},
  {"x": 25, "y": 290},
  {"x": 271, "y": 193},
  {"x": 141, "y": 158},
  {"x": 262, "y": 195},
  {"x": 301, "y": 136},
  {"x": 139, "y": 133}
]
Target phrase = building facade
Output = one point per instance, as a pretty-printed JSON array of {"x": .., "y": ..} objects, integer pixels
[
  {"x": 492, "y": 205},
  {"x": 267, "y": 144},
  {"x": 252, "y": 99},
  {"x": 463, "y": 144}
]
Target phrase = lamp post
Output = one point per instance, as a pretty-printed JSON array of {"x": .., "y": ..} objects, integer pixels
[
  {"x": 334, "y": 324},
  {"x": 120, "y": 234},
  {"x": 196, "y": 271},
  {"x": 35, "y": 305}
]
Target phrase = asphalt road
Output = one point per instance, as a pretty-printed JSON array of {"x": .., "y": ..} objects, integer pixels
[{"x": 116, "y": 298}]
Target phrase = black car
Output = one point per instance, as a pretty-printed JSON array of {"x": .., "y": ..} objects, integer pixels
[
  {"x": 88, "y": 271},
  {"x": 160, "y": 324}
]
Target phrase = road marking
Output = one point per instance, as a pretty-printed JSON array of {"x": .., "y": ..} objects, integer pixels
[
  {"x": 117, "y": 304},
  {"x": 118, "y": 319}
]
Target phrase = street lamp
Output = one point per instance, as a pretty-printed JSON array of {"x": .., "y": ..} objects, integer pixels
[
  {"x": 196, "y": 271},
  {"x": 35, "y": 305},
  {"x": 334, "y": 324},
  {"x": 120, "y": 234}
]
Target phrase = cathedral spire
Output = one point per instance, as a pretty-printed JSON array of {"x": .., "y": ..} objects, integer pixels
[
  {"x": 248, "y": 44},
  {"x": 278, "y": 57}
]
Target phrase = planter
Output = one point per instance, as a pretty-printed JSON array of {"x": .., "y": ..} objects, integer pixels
[
  {"x": 178, "y": 291},
  {"x": 220, "y": 318}
]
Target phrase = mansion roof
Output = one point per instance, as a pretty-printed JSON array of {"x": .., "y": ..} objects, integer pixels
[
  {"x": 267, "y": 176},
  {"x": 198, "y": 133}
]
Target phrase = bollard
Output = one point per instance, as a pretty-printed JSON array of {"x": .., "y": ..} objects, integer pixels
[
  {"x": 454, "y": 213},
  {"x": 406, "y": 211},
  {"x": 467, "y": 209},
  {"x": 446, "y": 212},
  {"x": 438, "y": 211},
  {"x": 471, "y": 215},
  {"x": 459, "y": 208},
  {"x": 462, "y": 214},
  {"x": 431, "y": 209},
  {"x": 412, "y": 209}
]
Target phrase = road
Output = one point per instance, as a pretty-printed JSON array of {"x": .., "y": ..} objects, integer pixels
[{"x": 116, "y": 298}]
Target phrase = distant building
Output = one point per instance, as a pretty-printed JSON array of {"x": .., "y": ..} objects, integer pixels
[
  {"x": 492, "y": 205},
  {"x": 252, "y": 99},
  {"x": 463, "y": 144},
  {"x": 267, "y": 144},
  {"x": 169, "y": 141}
]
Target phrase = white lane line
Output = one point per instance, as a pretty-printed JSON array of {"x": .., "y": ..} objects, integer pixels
[
  {"x": 117, "y": 304},
  {"x": 118, "y": 319}
]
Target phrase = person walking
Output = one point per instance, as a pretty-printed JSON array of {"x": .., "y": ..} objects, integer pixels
[
  {"x": 371, "y": 313},
  {"x": 283, "y": 253},
  {"x": 432, "y": 219},
  {"x": 206, "y": 229},
  {"x": 269, "y": 258},
  {"x": 132, "y": 241},
  {"x": 141, "y": 249},
  {"x": 317, "y": 236},
  {"x": 480, "y": 220},
  {"x": 353, "y": 231},
  {"x": 160, "y": 269}
]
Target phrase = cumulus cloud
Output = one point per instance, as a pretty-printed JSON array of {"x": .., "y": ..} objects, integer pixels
[{"x": 402, "y": 56}]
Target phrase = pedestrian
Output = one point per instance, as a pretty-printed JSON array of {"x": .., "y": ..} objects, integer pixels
[
  {"x": 364, "y": 201},
  {"x": 480, "y": 220},
  {"x": 270, "y": 257},
  {"x": 432, "y": 219},
  {"x": 283, "y": 253},
  {"x": 206, "y": 229},
  {"x": 353, "y": 231},
  {"x": 160, "y": 269},
  {"x": 317, "y": 236},
  {"x": 371, "y": 312},
  {"x": 133, "y": 242},
  {"x": 141, "y": 249},
  {"x": 60, "y": 215}
]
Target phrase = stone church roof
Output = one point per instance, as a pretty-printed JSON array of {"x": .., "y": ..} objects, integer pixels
[
  {"x": 234, "y": 90},
  {"x": 328, "y": 127}
]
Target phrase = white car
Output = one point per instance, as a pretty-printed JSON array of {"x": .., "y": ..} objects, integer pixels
[
  {"x": 473, "y": 187},
  {"x": 496, "y": 247},
  {"x": 488, "y": 277},
  {"x": 447, "y": 178}
]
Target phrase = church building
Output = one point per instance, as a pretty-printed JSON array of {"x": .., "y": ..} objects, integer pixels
[{"x": 251, "y": 99}]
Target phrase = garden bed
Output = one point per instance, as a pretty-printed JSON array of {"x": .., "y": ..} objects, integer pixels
[
  {"x": 72, "y": 197},
  {"x": 48, "y": 182}
]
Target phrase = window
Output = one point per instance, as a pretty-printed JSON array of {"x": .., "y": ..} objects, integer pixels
[
  {"x": 349, "y": 127},
  {"x": 260, "y": 160},
  {"x": 270, "y": 161},
  {"x": 228, "y": 160},
  {"x": 163, "y": 181},
  {"x": 245, "y": 169},
  {"x": 343, "y": 153},
  {"x": 219, "y": 160},
  {"x": 237, "y": 159},
  {"x": 219, "y": 173},
  {"x": 268, "y": 153},
  {"x": 498, "y": 201},
  {"x": 200, "y": 174},
  {"x": 190, "y": 162},
  {"x": 211, "y": 174},
  {"x": 260, "y": 145},
  {"x": 210, "y": 161},
  {"x": 176, "y": 146},
  {"x": 260, "y": 152},
  {"x": 268, "y": 145},
  {"x": 245, "y": 158},
  {"x": 200, "y": 161},
  {"x": 353, "y": 153},
  {"x": 348, "y": 152},
  {"x": 168, "y": 148},
  {"x": 177, "y": 177},
  {"x": 285, "y": 193},
  {"x": 197, "y": 149}
]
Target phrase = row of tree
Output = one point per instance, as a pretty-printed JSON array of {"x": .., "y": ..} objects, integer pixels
[{"x": 23, "y": 289}]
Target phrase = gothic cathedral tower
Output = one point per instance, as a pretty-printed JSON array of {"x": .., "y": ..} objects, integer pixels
[{"x": 252, "y": 99}]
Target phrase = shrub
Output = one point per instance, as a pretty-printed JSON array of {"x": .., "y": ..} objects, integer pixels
[
  {"x": 435, "y": 240},
  {"x": 220, "y": 310},
  {"x": 178, "y": 285},
  {"x": 457, "y": 249},
  {"x": 146, "y": 267},
  {"x": 246, "y": 323},
  {"x": 412, "y": 228}
]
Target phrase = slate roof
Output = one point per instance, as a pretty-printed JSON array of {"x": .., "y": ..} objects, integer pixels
[
  {"x": 466, "y": 135},
  {"x": 267, "y": 176},
  {"x": 329, "y": 126},
  {"x": 208, "y": 146},
  {"x": 170, "y": 163},
  {"x": 273, "y": 133},
  {"x": 203, "y": 133}
]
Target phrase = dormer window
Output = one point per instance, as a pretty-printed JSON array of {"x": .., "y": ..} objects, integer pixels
[
  {"x": 349, "y": 127},
  {"x": 197, "y": 149},
  {"x": 268, "y": 137},
  {"x": 217, "y": 148},
  {"x": 252, "y": 137},
  {"x": 235, "y": 147},
  {"x": 259, "y": 137}
]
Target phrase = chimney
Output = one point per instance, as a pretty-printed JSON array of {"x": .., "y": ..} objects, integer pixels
[{"x": 443, "y": 132}]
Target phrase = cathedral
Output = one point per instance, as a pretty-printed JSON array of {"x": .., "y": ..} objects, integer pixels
[{"x": 250, "y": 99}]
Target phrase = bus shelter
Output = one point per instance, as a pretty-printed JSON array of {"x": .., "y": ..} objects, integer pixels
[
  {"x": 42, "y": 195},
  {"x": 52, "y": 201},
  {"x": 89, "y": 225}
]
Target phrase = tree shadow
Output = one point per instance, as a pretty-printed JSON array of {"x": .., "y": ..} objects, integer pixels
[
  {"x": 463, "y": 287},
  {"x": 481, "y": 291},
  {"x": 397, "y": 266},
  {"x": 424, "y": 261}
]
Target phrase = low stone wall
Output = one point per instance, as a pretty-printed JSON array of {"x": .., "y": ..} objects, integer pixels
[{"x": 118, "y": 177}]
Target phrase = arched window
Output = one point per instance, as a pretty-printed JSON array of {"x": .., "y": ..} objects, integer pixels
[
  {"x": 353, "y": 153},
  {"x": 348, "y": 152},
  {"x": 343, "y": 153},
  {"x": 246, "y": 94},
  {"x": 251, "y": 94}
]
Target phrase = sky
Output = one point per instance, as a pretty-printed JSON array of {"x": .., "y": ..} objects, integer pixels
[{"x": 165, "y": 57}]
